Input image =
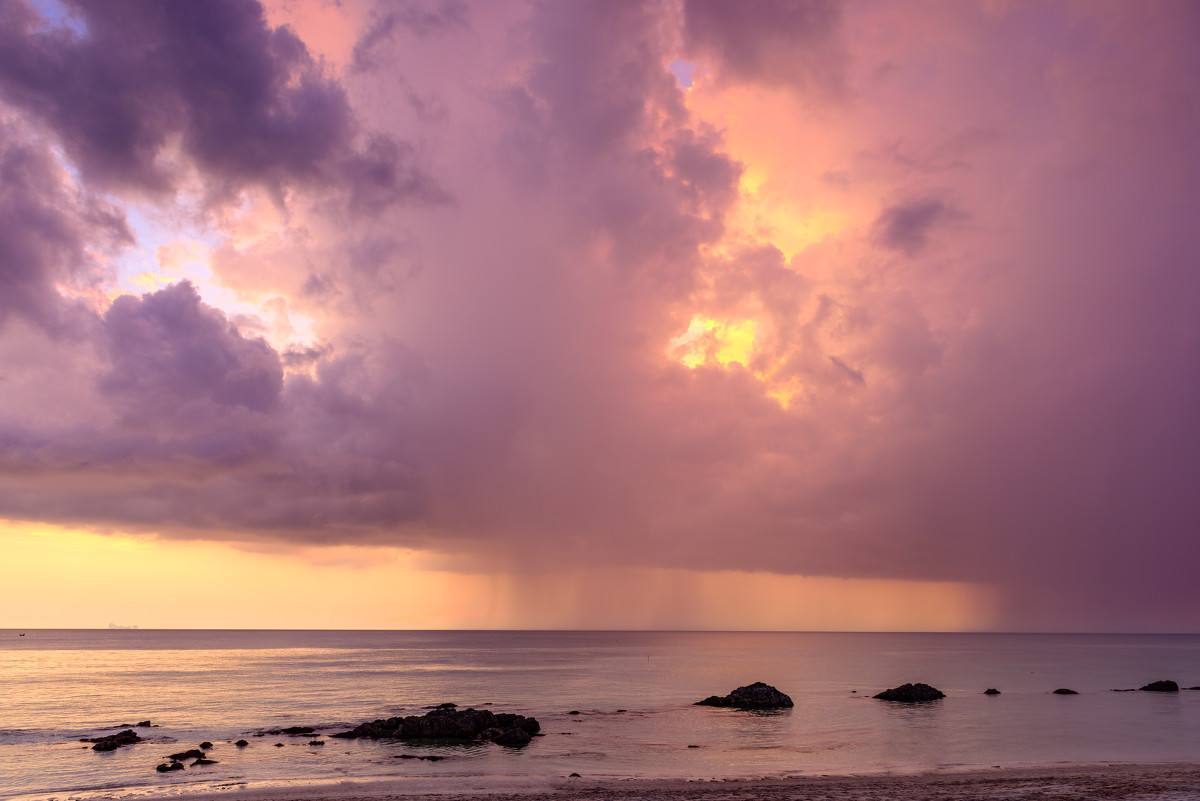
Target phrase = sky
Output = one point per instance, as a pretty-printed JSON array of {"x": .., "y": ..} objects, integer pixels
[{"x": 792, "y": 314}]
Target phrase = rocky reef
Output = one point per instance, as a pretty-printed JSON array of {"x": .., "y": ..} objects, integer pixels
[
  {"x": 753, "y": 696},
  {"x": 451, "y": 725},
  {"x": 911, "y": 694}
]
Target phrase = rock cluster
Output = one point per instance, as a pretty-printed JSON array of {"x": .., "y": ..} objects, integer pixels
[
  {"x": 1164, "y": 686},
  {"x": 451, "y": 725},
  {"x": 753, "y": 696},
  {"x": 191, "y": 753},
  {"x": 911, "y": 694},
  {"x": 112, "y": 742}
]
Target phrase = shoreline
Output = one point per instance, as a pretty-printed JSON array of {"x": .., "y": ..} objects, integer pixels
[{"x": 1094, "y": 782}]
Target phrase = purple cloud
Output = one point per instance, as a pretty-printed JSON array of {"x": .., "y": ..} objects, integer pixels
[
  {"x": 906, "y": 226},
  {"x": 778, "y": 42},
  {"x": 51, "y": 232},
  {"x": 246, "y": 102}
]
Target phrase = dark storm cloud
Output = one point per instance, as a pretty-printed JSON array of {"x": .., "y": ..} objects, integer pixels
[
  {"x": 168, "y": 350},
  {"x": 245, "y": 102},
  {"x": 907, "y": 226},
  {"x": 201, "y": 433}
]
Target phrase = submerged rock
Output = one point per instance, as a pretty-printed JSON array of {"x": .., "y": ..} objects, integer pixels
[
  {"x": 241, "y": 743},
  {"x": 316, "y": 742},
  {"x": 167, "y": 767},
  {"x": 753, "y": 696},
  {"x": 112, "y": 742},
  {"x": 191, "y": 753},
  {"x": 991, "y": 691},
  {"x": 292, "y": 730},
  {"x": 911, "y": 694},
  {"x": 206, "y": 745},
  {"x": 425, "y": 757},
  {"x": 144, "y": 724},
  {"x": 1065, "y": 691},
  {"x": 204, "y": 761},
  {"x": 511, "y": 738},
  {"x": 1164, "y": 686},
  {"x": 451, "y": 725}
]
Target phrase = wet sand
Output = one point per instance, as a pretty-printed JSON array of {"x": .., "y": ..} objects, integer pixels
[{"x": 1078, "y": 783}]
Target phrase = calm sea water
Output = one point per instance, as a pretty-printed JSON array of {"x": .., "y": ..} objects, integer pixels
[{"x": 634, "y": 690}]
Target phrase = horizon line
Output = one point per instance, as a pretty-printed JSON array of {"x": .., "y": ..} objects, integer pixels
[{"x": 1082, "y": 632}]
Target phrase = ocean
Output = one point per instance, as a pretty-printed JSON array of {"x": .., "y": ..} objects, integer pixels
[{"x": 634, "y": 692}]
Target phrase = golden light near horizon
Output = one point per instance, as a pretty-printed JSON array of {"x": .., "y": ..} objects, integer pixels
[{"x": 151, "y": 582}]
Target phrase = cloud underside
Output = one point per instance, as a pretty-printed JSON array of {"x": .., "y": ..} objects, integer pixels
[{"x": 990, "y": 376}]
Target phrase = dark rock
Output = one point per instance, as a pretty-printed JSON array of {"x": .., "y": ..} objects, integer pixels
[
  {"x": 1164, "y": 686},
  {"x": 144, "y": 724},
  {"x": 511, "y": 738},
  {"x": 291, "y": 730},
  {"x": 206, "y": 745},
  {"x": 574, "y": 776},
  {"x": 451, "y": 725},
  {"x": 1065, "y": 691},
  {"x": 112, "y": 742},
  {"x": 241, "y": 743},
  {"x": 204, "y": 761},
  {"x": 991, "y": 691},
  {"x": 425, "y": 757},
  {"x": 1127, "y": 690},
  {"x": 911, "y": 694},
  {"x": 167, "y": 767},
  {"x": 1194, "y": 688},
  {"x": 752, "y": 696},
  {"x": 279, "y": 745},
  {"x": 316, "y": 742},
  {"x": 191, "y": 753},
  {"x": 693, "y": 746},
  {"x": 574, "y": 712}
]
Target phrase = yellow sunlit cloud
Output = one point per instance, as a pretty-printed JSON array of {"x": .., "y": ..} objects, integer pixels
[
  {"x": 721, "y": 342},
  {"x": 711, "y": 342}
]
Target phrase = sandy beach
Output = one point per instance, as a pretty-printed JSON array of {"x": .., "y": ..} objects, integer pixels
[{"x": 1175, "y": 782}]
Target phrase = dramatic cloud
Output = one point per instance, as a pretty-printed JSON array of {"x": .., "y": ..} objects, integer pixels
[
  {"x": 52, "y": 232},
  {"x": 939, "y": 325},
  {"x": 128, "y": 86}
]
